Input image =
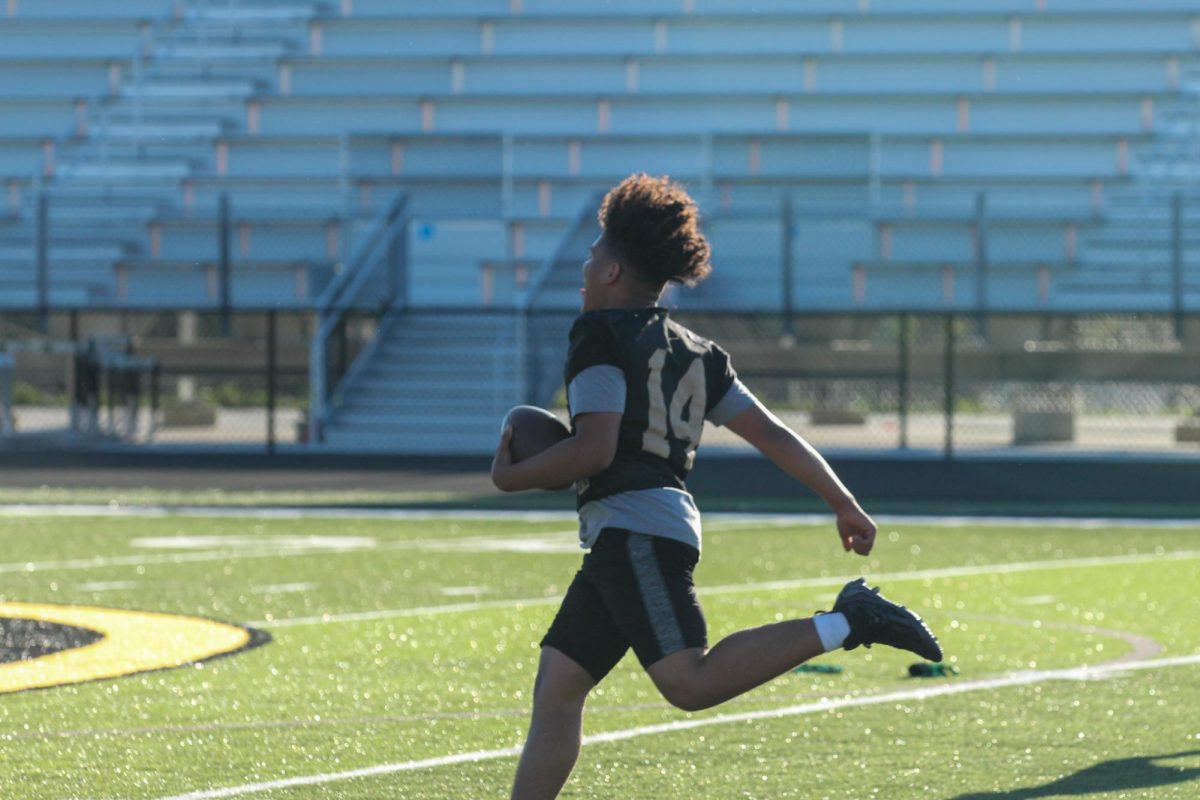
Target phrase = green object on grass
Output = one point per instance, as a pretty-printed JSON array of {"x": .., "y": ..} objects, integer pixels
[
  {"x": 828, "y": 669},
  {"x": 926, "y": 670}
]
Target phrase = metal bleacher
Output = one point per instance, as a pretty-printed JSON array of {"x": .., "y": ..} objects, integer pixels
[{"x": 896, "y": 130}]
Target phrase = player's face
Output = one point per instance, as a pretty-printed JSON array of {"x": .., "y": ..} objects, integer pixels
[{"x": 595, "y": 274}]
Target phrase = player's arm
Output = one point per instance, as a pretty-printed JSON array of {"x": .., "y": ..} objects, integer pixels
[
  {"x": 791, "y": 453},
  {"x": 589, "y": 451}
]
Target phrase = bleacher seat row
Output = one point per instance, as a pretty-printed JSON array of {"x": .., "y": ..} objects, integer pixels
[{"x": 907, "y": 136}]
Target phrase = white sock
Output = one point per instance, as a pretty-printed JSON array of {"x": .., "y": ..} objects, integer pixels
[{"x": 833, "y": 630}]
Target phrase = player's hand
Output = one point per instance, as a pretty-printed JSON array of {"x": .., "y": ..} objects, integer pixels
[
  {"x": 502, "y": 462},
  {"x": 857, "y": 530}
]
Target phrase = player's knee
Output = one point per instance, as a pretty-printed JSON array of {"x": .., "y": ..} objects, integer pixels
[
  {"x": 685, "y": 693},
  {"x": 682, "y": 680},
  {"x": 688, "y": 699},
  {"x": 556, "y": 687}
]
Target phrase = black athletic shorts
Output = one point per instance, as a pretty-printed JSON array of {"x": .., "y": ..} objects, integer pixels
[{"x": 633, "y": 590}]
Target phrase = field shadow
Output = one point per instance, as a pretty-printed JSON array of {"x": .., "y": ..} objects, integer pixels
[{"x": 1119, "y": 774}]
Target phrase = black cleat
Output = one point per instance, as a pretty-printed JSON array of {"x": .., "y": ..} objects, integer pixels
[{"x": 876, "y": 620}]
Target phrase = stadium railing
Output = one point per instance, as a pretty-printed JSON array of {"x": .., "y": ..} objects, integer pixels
[{"x": 373, "y": 280}]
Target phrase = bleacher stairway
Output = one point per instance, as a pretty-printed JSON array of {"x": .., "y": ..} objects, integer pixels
[
  {"x": 434, "y": 383},
  {"x": 440, "y": 381}
]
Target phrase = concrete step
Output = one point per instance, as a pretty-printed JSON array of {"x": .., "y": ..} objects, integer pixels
[
  {"x": 432, "y": 387},
  {"x": 174, "y": 88},
  {"x": 416, "y": 404},
  {"x": 149, "y": 149},
  {"x": 59, "y": 295},
  {"x": 64, "y": 251},
  {"x": 163, "y": 128},
  {"x": 381, "y": 371},
  {"x": 485, "y": 422},
  {"x": 127, "y": 170},
  {"x": 252, "y": 12},
  {"x": 227, "y": 51},
  {"x": 67, "y": 238}
]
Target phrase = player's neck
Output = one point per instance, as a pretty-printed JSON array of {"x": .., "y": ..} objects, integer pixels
[{"x": 632, "y": 299}]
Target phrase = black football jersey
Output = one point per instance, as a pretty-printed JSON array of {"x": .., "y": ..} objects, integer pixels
[{"x": 673, "y": 378}]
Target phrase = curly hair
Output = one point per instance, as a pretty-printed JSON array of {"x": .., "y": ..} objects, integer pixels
[{"x": 653, "y": 226}]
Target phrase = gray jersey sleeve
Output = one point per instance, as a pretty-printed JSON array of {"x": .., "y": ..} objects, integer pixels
[
  {"x": 735, "y": 401},
  {"x": 597, "y": 389}
]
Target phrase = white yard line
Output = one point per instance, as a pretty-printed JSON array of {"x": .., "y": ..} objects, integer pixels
[
  {"x": 950, "y": 688},
  {"x": 304, "y": 512},
  {"x": 162, "y": 558},
  {"x": 265, "y": 551},
  {"x": 739, "y": 588}
]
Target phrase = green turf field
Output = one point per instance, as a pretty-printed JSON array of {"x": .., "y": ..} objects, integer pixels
[{"x": 402, "y": 653}]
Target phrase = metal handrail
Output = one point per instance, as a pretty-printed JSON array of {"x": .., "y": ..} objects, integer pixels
[
  {"x": 526, "y": 352},
  {"x": 386, "y": 244},
  {"x": 383, "y": 219},
  {"x": 537, "y": 282}
]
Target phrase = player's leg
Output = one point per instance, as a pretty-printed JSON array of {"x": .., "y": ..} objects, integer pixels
[
  {"x": 556, "y": 731},
  {"x": 697, "y": 678},
  {"x": 662, "y": 619},
  {"x": 583, "y": 644}
]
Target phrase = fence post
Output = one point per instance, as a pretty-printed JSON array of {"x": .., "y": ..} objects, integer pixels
[
  {"x": 949, "y": 379},
  {"x": 43, "y": 261},
  {"x": 223, "y": 234},
  {"x": 524, "y": 345},
  {"x": 788, "y": 304},
  {"x": 507, "y": 192},
  {"x": 1177, "y": 287},
  {"x": 981, "y": 264},
  {"x": 155, "y": 395},
  {"x": 73, "y": 373},
  {"x": 902, "y": 381},
  {"x": 271, "y": 388}
]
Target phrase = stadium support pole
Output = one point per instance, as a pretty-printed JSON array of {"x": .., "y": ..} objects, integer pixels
[
  {"x": 1177, "y": 263},
  {"x": 271, "y": 388},
  {"x": 506, "y": 184},
  {"x": 155, "y": 395},
  {"x": 949, "y": 378},
  {"x": 42, "y": 256},
  {"x": 223, "y": 234},
  {"x": 73, "y": 373},
  {"x": 981, "y": 264},
  {"x": 902, "y": 381},
  {"x": 786, "y": 263}
]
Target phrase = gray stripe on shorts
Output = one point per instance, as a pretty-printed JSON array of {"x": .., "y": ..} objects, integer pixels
[{"x": 650, "y": 581}]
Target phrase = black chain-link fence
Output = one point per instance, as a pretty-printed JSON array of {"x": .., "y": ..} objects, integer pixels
[
  {"x": 158, "y": 377},
  {"x": 944, "y": 384},
  {"x": 955, "y": 383}
]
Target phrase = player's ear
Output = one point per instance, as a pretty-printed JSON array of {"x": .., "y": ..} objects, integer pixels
[{"x": 613, "y": 271}]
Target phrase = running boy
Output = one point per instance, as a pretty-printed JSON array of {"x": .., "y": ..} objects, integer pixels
[{"x": 639, "y": 387}]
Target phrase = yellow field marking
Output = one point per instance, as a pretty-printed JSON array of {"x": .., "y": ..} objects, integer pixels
[{"x": 133, "y": 641}]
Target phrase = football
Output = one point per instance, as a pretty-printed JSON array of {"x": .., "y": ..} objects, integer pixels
[{"x": 534, "y": 430}]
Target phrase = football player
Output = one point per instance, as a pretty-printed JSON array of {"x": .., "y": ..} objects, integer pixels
[{"x": 639, "y": 388}]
